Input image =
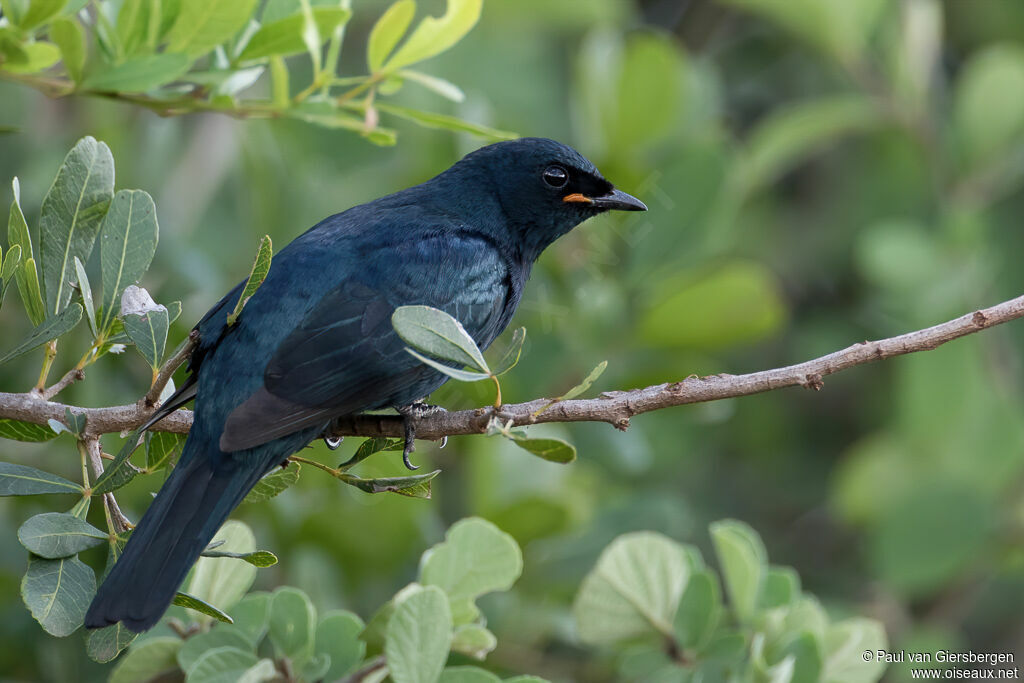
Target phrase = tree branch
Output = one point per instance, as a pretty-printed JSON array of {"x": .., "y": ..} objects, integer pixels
[{"x": 614, "y": 407}]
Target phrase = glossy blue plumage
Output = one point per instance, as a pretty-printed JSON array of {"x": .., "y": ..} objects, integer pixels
[{"x": 316, "y": 342}]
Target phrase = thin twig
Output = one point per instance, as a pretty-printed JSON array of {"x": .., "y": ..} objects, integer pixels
[
  {"x": 372, "y": 666},
  {"x": 70, "y": 377},
  {"x": 115, "y": 517},
  {"x": 614, "y": 407},
  {"x": 169, "y": 367}
]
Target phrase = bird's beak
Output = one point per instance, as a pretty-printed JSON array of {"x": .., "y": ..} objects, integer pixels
[{"x": 616, "y": 200}]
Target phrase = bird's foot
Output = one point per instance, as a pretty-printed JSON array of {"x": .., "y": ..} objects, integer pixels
[{"x": 410, "y": 415}]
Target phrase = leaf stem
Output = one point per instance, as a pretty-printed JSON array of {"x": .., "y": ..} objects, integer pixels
[
  {"x": 497, "y": 391},
  {"x": 48, "y": 358}
]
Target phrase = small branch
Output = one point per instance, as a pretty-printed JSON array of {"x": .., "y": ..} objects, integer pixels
[
  {"x": 169, "y": 367},
  {"x": 115, "y": 518},
  {"x": 372, "y": 666},
  {"x": 69, "y": 378},
  {"x": 614, "y": 407}
]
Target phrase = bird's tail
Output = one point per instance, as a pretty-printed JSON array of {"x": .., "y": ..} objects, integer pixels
[{"x": 189, "y": 509}]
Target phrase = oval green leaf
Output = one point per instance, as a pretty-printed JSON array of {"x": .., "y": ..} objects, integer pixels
[{"x": 54, "y": 535}]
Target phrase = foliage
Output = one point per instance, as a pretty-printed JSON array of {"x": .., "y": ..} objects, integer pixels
[{"x": 190, "y": 55}]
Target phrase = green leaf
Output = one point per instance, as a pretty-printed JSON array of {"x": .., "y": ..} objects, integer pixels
[
  {"x": 26, "y": 275},
  {"x": 202, "y": 25},
  {"x": 467, "y": 674},
  {"x": 475, "y": 558},
  {"x": 586, "y": 383},
  {"x": 160, "y": 448},
  {"x": 119, "y": 472},
  {"x": 67, "y": 35},
  {"x": 54, "y": 535},
  {"x": 700, "y": 609},
  {"x": 58, "y": 592},
  {"x": 140, "y": 74},
  {"x": 284, "y": 37},
  {"x": 147, "y": 660},
  {"x": 39, "y": 56},
  {"x": 435, "y": 35},
  {"x": 39, "y": 12},
  {"x": 292, "y": 628},
  {"x": 251, "y": 615},
  {"x": 103, "y": 645},
  {"x": 473, "y": 640},
  {"x": 438, "y": 334},
  {"x": 71, "y": 215},
  {"x": 128, "y": 239},
  {"x": 260, "y": 269},
  {"x": 25, "y": 431},
  {"x": 418, "y": 636},
  {"x": 444, "y": 122},
  {"x": 149, "y": 334},
  {"x": 263, "y": 671},
  {"x": 845, "y": 642},
  {"x": 988, "y": 104},
  {"x": 21, "y": 480},
  {"x": 337, "y": 635},
  {"x": 51, "y": 329},
  {"x": 273, "y": 483},
  {"x": 511, "y": 356},
  {"x": 197, "y": 605},
  {"x": 781, "y": 588},
  {"x": 738, "y": 302},
  {"x": 634, "y": 589},
  {"x": 137, "y": 25},
  {"x": 221, "y": 665},
  {"x": 788, "y": 136},
  {"x": 258, "y": 558},
  {"x": 413, "y": 486},
  {"x": 370, "y": 447},
  {"x": 217, "y": 637},
  {"x": 86, "y": 291},
  {"x": 454, "y": 373},
  {"x": 552, "y": 450},
  {"x": 439, "y": 85},
  {"x": 744, "y": 561},
  {"x": 386, "y": 33},
  {"x": 221, "y": 581}
]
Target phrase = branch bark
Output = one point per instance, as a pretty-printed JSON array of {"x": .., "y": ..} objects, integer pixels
[{"x": 614, "y": 407}]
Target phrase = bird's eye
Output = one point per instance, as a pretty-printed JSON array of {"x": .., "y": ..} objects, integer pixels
[{"x": 556, "y": 176}]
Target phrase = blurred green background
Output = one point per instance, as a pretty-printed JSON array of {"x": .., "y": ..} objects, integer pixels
[{"x": 819, "y": 172}]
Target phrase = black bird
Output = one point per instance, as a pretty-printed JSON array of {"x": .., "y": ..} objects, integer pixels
[{"x": 316, "y": 342}]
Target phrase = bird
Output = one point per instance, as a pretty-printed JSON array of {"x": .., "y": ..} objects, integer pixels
[{"x": 315, "y": 341}]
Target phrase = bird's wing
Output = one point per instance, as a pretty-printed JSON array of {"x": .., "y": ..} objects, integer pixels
[{"x": 344, "y": 357}]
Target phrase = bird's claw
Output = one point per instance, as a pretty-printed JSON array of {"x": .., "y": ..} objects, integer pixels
[{"x": 410, "y": 415}]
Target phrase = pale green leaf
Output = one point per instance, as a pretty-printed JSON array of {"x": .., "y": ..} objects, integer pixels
[
  {"x": 284, "y": 37},
  {"x": 204, "y": 608},
  {"x": 475, "y": 558},
  {"x": 388, "y": 30},
  {"x": 412, "y": 486},
  {"x": 273, "y": 484},
  {"x": 743, "y": 559},
  {"x": 700, "y": 610},
  {"x": 26, "y": 276},
  {"x": 201, "y": 25},
  {"x": 49, "y": 330},
  {"x": 434, "y": 332},
  {"x": 467, "y": 674},
  {"x": 40, "y": 55},
  {"x": 103, "y": 645},
  {"x": 148, "y": 333},
  {"x": 58, "y": 592},
  {"x": 511, "y": 356},
  {"x": 435, "y": 35},
  {"x": 580, "y": 388},
  {"x": 85, "y": 289},
  {"x": 135, "y": 20},
  {"x": 989, "y": 102},
  {"x": 473, "y": 640},
  {"x": 71, "y": 215},
  {"x": 139, "y": 74},
  {"x": 39, "y": 12},
  {"x": 21, "y": 480},
  {"x": 228, "y": 635},
  {"x": 419, "y": 636},
  {"x": 552, "y": 450},
  {"x": 257, "y": 558},
  {"x": 223, "y": 581},
  {"x": 221, "y": 665},
  {"x": 845, "y": 643},
  {"x": 128, "y": 239},
  {"x": 455, "y": 373},
  {"x": 442, "y": 87},
  {"x": 292, "y": 626},
  {"x": 260, "y": 269},
  {"x": 54, "y": 535},
  {"x": 634, "y": 589},
  {"x": 67, "y": 34},
  {"x": 147, "y": 660},
  {"x": 337, "y": 635}
]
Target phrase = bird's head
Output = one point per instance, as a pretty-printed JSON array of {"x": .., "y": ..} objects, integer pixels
[{"x": 542, "y": 188}]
